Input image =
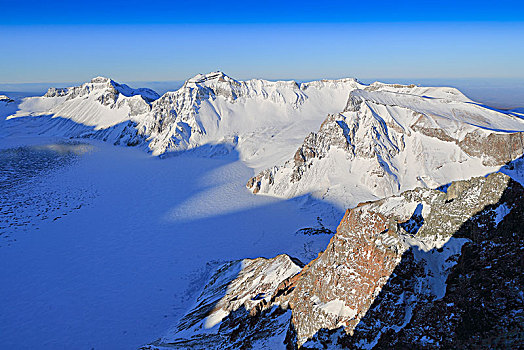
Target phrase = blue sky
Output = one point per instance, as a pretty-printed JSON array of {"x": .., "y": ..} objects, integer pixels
[{"x": 66, "y": 41}]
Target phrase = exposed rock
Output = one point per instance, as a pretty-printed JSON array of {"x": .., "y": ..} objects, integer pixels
[
  {"x": 371, "y": 242},
  {"x": 236, "y": 307},
  {"x": 481, "y": 302},
  {"x": 425, "y": 269},
  {"x": 496, "y": 148},
  {"x": 56, "y": 92},
  {"x": 333, "y": 133}
]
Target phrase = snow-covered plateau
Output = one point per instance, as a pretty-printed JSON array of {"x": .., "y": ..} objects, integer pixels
[{"x": 125, "y": 219}]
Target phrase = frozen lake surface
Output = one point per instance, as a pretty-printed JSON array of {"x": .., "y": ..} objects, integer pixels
[{"x": 113, "y": 244}]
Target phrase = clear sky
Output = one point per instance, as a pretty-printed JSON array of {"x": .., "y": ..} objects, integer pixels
[{"x": 66, "y": 41}]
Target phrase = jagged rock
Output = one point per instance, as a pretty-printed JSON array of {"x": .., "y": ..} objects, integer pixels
[
  {"x": 236, "y": 307},
  {"x": 56, "y": 92},
  {"x": 369, "y": 245},
  {"x": 480, "y": 302},
  {"x": 426, "y": 269},
  {"x": 5, "y": 99}
]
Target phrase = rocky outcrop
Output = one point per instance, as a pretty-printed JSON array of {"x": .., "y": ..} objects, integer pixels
[
  {"x": 56, "y": 92},
  {"x": 417, "y": 232},
  {"x": 237, "y": 292},
  {"x": 426, "y": 268},
  {"x": 333, "y": 133},
  {"x": 494, "y": 149},
  {"x": 479, "y": 304}
]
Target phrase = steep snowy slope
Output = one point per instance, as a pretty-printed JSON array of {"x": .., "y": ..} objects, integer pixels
[
  {"x": 101, "y": 103},
  {"x": 390, "y": 138}
]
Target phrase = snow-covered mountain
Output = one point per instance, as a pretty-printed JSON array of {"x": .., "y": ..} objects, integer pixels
[
  {"x": 377, "y": 139},
  {"x": 100, "y": 103},
  {"x": 5, "y": 100},
  {"x": 417, "y": 265},
  {"x": 390, "y": 138},
  {"x": 207, "y": 109}
]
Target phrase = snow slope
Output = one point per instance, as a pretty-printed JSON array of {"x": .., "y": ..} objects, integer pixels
[{"x": 106, "y": 247}]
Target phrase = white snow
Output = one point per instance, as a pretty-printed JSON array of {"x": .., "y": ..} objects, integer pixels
[
  {"x": 114, "y": 273},
  {"x": 500, "y": 212},
  {"x": 215, "y": 318},
  {"x": 439, "y": 264},
  {"x": 338, "y": 307}
]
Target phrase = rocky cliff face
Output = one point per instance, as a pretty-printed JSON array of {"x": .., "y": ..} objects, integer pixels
[
  {"x": 380, "y": 145},
  {"x": 227, "y": 314},
  {"x": 411, "y": 244},
  {"x": 479, "y": 303},
  {"x": 426, "y": 268}
]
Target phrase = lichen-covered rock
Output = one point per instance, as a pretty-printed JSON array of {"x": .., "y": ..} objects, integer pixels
[{"x": 436, "y": 296}]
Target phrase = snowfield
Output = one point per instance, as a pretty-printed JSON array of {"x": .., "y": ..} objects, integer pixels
[{"x": 119, "y": 271}]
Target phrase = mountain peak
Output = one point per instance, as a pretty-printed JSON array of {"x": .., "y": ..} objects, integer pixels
[
  {"x": 5, "y": 98},
  {"x": 101, "y": 80},
  {"x": 215, "y": 76}
]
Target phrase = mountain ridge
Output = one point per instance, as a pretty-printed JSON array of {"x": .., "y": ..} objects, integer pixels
[
  {"x": 380, "y": 131},
  {"x": 385, "y": 141}
]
